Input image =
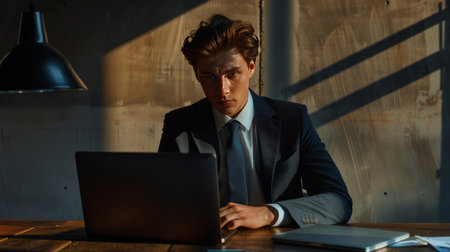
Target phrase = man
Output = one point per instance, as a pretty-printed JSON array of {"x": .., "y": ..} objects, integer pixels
[{"x": 267, "y": 150}]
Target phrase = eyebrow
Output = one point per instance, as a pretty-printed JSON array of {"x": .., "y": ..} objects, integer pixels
[{"x": 228, "y": 71}]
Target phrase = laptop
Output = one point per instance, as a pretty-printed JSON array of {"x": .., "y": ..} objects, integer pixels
[
  {"x": 162, "y": 197},
  {"x": 341, "y": 237}
]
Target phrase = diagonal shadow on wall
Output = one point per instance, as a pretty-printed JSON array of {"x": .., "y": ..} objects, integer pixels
[
  {"x": 365, "y": 54},
  {"x": 437, "y": 61},
  {"x": 126, "y": 20},
  {"x": 378, "y": 89}
]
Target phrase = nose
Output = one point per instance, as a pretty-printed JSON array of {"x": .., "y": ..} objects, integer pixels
[{"x": 224, "y": 85}]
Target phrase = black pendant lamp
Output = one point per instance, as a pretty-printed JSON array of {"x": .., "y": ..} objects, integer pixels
[{"x": 34, "y": 65}]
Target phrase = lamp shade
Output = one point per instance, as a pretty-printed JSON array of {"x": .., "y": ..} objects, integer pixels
[{"x": 34, "y": 65}]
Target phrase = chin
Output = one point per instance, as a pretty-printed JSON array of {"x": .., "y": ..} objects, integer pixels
[{"x": 225, "y": 111}]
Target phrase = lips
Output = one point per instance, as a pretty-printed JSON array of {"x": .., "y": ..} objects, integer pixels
[{"x": 226, "y": 103}]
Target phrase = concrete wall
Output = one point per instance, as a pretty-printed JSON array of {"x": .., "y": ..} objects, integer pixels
[
  {"x": 372, "y": 74},
  {"x": 379, "y": 106}
]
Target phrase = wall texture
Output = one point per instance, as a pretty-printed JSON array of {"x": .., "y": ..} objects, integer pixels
[{"x": 372, "y": 74}]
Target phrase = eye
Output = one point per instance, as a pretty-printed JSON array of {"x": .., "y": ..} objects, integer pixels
[
  {"x": 209, "y": 77},
  {"x": 231, "y": 75}
]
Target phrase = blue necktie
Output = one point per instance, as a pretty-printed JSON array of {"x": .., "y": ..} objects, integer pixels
[{"x": 237, "y": 183}]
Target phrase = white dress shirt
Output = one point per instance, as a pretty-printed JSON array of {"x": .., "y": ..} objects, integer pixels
[{"x": 249, "y": 141}]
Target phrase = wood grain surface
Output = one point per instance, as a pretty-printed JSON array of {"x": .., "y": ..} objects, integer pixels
[{"x": 71, "y": 236}]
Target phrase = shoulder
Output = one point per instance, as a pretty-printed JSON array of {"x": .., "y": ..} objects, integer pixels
[
  {"x": 280, "y": 109},
  {"x": 190, "y": 112},
  {"x": 293, "y": 117},
  {"x": 185, "y": 119},
  {"x": 283, "y": 105}
]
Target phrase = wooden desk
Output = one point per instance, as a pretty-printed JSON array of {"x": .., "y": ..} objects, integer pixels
[{"x": 29, "y": 235}]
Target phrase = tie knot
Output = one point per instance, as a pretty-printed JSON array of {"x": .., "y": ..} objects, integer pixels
[{"x": 233, "y": 126}]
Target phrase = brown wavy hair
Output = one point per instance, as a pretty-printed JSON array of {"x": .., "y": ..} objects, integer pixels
[{"x": 218, "y": 34}]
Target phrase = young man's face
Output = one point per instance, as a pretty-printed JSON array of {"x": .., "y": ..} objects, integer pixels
[{"x": 225, "y": 79}]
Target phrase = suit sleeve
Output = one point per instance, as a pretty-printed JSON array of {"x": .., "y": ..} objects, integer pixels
[{"x": 328, "y": 201}]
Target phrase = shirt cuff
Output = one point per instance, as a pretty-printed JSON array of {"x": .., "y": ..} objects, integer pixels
[{"x": 280, "y": 214}]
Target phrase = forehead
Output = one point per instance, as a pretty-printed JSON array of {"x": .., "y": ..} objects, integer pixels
[{"x": 221, "y": 61}]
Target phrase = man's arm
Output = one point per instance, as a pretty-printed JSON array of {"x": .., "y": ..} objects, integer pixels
[
  {"x": 328, "y": 201},
  {"x": 324, "y": 208}
]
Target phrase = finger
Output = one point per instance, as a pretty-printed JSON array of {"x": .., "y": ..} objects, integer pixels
[
  {"x": 224, "y": 208},
  {"x": 227, "y": 206},
  {"x": 223, "y": 224},
  {"x": 227, "y": 210},
  {"x": 234, "y": 224},
  {"x": 224, "y": 220}
]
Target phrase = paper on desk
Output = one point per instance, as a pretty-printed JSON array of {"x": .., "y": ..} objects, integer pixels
[{"x": 441, "y": 243}]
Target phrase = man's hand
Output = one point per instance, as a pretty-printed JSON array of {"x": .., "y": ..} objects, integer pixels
[{"x": 235, "y": 215}]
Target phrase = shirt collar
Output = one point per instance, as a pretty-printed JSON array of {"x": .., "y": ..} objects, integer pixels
[{"x": 245, "y": 117}]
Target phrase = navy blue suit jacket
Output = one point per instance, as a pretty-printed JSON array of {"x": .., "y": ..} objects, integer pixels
[{"x": 292, "y": 157}]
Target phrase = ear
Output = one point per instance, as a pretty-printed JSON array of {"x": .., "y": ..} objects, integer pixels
[{"x": 251, "y": 67}]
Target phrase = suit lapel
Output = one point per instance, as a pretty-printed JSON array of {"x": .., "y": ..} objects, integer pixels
[
  {"x": 204, "y": 130},
  {"x": 268, "y": 129}
]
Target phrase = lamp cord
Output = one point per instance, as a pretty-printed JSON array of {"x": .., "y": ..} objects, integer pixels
[{"x": 32, "y": 6}]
